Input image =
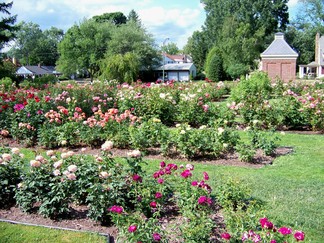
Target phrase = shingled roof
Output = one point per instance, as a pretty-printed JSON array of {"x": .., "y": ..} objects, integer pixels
[{"x": 279, "y": 48}]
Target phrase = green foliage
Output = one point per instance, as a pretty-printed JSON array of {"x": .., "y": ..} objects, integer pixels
[
  {"x": 240, "y": 209},
  {"x": 7, "y": 24},
  {"x": 11, "y": 167},
  {"x": 34, "y": 46},
  {"x": 83, "y": 46},
  {"x": 170, "y": 48},
  {"x": 148, "y": 134},
  {"x": 116, "y": 18},
  {"x": 240, "y": 30},
  {"x": 123, "y": 68},
  {"x": 133, "y": 38},
  {"x": 214, "y": 65},
  {"x": 253, "y": 94},
  {"x": 6, "y": 84}
]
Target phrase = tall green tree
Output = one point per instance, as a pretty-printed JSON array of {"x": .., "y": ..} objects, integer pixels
[
  {"x": 239, "y": 28},
  {"x": 83, "y": 47},
  {"x": 170, "y": 48},
  {"x": 133, "y": 16},
  {"x": 124, "y": 68},
  {"x": 197, "y": 48},
  {"x": 7, "y": 27},
  {"x": 303, "y": 28},
  {"x": 33, "y": 46},
  {"x": 132, "y": 38},
  {"x": 116, "y": 18}
]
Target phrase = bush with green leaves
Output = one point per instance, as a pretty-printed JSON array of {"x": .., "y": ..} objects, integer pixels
[
  {"x": 11, "y": 167},
  {"x": 204, "y": 141},
  {"x": 148, "y": 134},
  {"x": 252, "y": 93}
]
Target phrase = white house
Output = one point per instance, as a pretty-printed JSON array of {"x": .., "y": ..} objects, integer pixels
[
  {"x": 315, "y": 69},
  {"x": 176, "y": 67},
  {"x": 34, "y": 71}
]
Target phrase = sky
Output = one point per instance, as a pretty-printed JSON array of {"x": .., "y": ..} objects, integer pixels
[{"x": 173, "y": 19}]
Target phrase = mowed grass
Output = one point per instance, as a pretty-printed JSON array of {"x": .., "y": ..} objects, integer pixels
[
  {"x": 12, "y": 233},
  {"x": 292, "y": 187}
]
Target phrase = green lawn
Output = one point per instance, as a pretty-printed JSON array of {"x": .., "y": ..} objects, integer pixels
[
  {"x": 11, "y": 233},
  {"x": 292, "y": 187}
]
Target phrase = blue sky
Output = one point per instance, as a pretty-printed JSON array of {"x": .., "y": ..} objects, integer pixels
[{"x": 174, "y": 19}]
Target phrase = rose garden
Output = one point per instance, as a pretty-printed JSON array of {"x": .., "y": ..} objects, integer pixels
[{"x": 153, "y": 201}]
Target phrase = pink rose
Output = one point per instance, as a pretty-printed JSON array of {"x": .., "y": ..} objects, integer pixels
[
  {"x": 6, "y": 157},
  {"x": 160, "y": 181},
  {"x": 299, "y": 235},
  {"x": 206, "y": 176},
  {"x": 285, "y": 231},
  {"x": 186, "y": 174},
  {"x": 226, "y": 236},
  {"x": 162, "y": 164},
  {"x": 108, "y": 145},
  {"x": 137, "y": 178},
  {"x": 35, "y": 163},
  {"x": 116, "y": 209},
  {"x": 158, "y": 195},
  {"x": 71, "y": 176},
  {"x": 194, "y": 183},
  {"x": 72, "y": 168},
  {"x": 103, "y": 174},
  {"x": 156, "y": 237},
  {"x": 153, "y": 204},
  {"x": 132, "y": 228}
]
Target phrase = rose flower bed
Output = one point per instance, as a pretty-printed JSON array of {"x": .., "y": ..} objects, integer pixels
[{"x": 139, "y": 204}]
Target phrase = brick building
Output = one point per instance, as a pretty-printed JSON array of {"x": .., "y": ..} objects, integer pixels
[{"x": 279, "y": 59}]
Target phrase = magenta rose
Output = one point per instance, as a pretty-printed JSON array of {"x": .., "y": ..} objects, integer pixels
[
  {"x": 194, "y": 183},
  {"x": 132, "y": 228},
  {"x": 158, "y": 195},
  {"x": 226, "y": 236},
  {"x": 206, "y": 176},
  {"x": 116, "y": 209},
  {"x": 186, "y": 174},
  {"x": 285, "y": 231},
  {"x": 299, "y": 235},
  {"x": 162, "y": 164},
  {"x": 160, "y": 181},
  {"x": 153, "y": 204},
  {"x": 266, "y": 224},
  {"x": 156, "y": 237},
  {"x": 137, "y": 178}
]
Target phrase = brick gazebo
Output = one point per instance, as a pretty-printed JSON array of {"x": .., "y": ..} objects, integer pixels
[{"x": 279, "y": 59}]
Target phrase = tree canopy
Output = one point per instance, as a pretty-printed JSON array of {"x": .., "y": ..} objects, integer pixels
[
  {"x": 116, "y": 18},
  {"x": 33, "y": 46},
  {"x": 83, "y": 46},
  {"x": 7, "y": 27},
  {"x": 239, "y": 29},
  {"x": 302, "y": 30},
  {"x": 170, "y": 48}
]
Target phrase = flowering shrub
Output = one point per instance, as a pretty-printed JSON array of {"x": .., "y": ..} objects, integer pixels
[
  {"x": 269, "y": 233},
  {"x": 11, "y": 167}
]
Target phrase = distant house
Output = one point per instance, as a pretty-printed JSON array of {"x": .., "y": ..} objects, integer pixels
[
  {"x": 176, "y": 67},
  {"x": 315, "y": 69},
  {"x": 279, "y": 59},
  {"x": 36, "y": 71}
]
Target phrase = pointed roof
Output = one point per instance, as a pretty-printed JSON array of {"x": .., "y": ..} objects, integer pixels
[{"x": 279, "y": 48}]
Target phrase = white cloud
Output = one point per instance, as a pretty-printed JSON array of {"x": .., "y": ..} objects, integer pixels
[
  {"x": 292, "y": 3},
  {"x": 176, "y": 20}
]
